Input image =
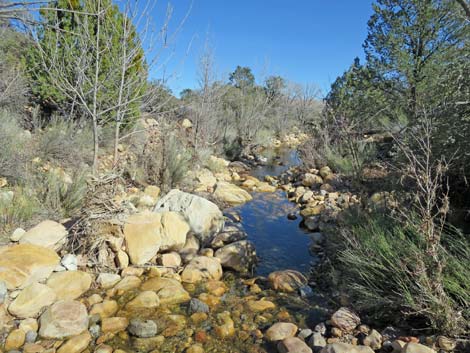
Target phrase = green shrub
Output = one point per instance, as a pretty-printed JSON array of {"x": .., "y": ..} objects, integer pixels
[
  {"x": 17, "y": 209},
  {"x": 349, "y": 159},
  {"x": 15, "y": 148},
  {"x": 60, "y": 198},
  {"x": 66, "y": 142},
  {"x": 380, "y": 266}
]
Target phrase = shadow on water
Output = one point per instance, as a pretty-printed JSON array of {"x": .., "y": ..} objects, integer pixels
[{"x": 280, "y": 243}]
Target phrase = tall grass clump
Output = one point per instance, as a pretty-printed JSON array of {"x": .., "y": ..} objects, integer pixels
[
  {"x": 15, "y": 148},
  {"x": 66, "y": 142},
  {"x": 385, "y": 268}
]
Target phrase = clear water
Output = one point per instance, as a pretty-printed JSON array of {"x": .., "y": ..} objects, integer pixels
[{"x": 280, "y": 243}]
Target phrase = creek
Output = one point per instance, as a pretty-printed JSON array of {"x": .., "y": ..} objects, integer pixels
[{"x": 280, "y": 243}]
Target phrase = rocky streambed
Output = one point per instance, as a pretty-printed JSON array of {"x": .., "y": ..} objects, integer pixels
[{"x": 178, "y": 274}]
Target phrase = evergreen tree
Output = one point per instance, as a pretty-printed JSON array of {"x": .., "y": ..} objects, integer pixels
[{"x": 68, "y": 38}]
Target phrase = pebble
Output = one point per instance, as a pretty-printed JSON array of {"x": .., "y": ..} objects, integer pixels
[
  {"x": 197, "y": 306},
  {"x": 142, "y": 328},
  {"x": 31, "y": 336}
]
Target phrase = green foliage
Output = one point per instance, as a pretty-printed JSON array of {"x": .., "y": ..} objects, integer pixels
[
  {"x": 242, "y": 78},
  {"x": 17, "y": 211},
  {"x": 15, "y": 154},
  {"x": 380, "y": 264},
  {"x": 60, "y": 198},
  {"x": 66, "y": 142},
  {"x": 349, "y": 159},
  {"x": 68, "y": 44}
]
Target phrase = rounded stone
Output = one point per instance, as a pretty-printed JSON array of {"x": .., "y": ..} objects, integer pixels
[{"x": 63, "y": 319}]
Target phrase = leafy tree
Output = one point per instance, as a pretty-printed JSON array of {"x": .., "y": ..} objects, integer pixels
[
  {"x": 274, "y": 86},
  {"x": 407, "y": 41},
  {"x": 242, "y": 78}
]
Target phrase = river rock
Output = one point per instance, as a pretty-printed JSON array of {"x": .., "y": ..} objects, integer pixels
[
  {"x": 373, "y": 340},
  {"x": 3, "y": 291},
  {"x": 29, "y": 324},
  {"x": 229, "y": 235},
  {"x": 445, "y": 343},
  {"x": 260, "y": 305},
  {"x": 202, "y": 267},
  {"x": 169, "y": 290},
  {"x": 70, "y": 262},
  {"x": 31, "y": 336},
  {"x": 17, "y": 234},
  {"x": 114, "y": 324},
  {"x": 76, "y": 344},
  {"x": 231, "y": 194},
  {"x": 293, "y": 345},
  {"x": 108, "y": 280},
  {"x": 128, "y": 283},
  {"x": 63, "y": 319},
  {"x": 15, "y": 340},
  {"x": 204, "y": 217},
  {"x": 280, "y": 331},
  {"x": 265, "y": 187},
  {"x": 311, "y": 180},
  {"x": 32, "y": 300},
  {"x": 345, "y": 348},
  {"x": 239, "y": 256},
  {"x": 23, "y": 264},
  {"x": 287, "y": 280},
  {"x": 325, "y": 171},
  {"x": 48, "y": 234},
  {"x": 147, "y": 232},
  {"x": 105, "y": 309},
  {"x": 317, "y": 341},
  {"x": 412, "y": 347},
  {"x": 345, "y": 319},
  {"x": 145, "y": 299},
  {"x": 69, "y": 285},
  {"x": 172, "y": 259},
  {"x": 142, "y": 328},
  {"x": 197, "y": 306}
]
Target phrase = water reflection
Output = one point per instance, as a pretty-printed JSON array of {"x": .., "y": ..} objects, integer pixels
[{"x": 280, "y": 243}]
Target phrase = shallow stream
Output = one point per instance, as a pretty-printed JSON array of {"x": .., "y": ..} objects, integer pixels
[{"x": 280, "y": 243}]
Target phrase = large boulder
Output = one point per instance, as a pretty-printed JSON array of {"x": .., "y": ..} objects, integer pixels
[
  {"x": 147, "y": 232},
  {"x": 203, "y": 216},
  {"x": 63, "y": 319},
  {"x": 49, "y": 234},
  {"x": 31, "y": 301},
  {"x": 202, "y": 267},
  {"x": 345, "y": 348},
  {"x": 23, "y": 264},
  {"x": 239, "y": 256},
  {"x": 69, "y": 285},
  {"x": 231, "y": 194},
  {"x": 287, "y": 280}
]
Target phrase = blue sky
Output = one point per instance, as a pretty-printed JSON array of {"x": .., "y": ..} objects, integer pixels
[{"x": 305, "y": 41}]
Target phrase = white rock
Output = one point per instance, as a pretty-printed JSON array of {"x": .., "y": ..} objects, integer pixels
[
  {"x": 70, "y": 262},
  {"x": 17, "y": 234}
]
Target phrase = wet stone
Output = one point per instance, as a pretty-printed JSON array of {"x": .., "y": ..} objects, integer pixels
[{"x": 197, "y": 306}]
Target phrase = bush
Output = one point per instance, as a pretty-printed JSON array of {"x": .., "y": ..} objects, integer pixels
[
  {"x": 17, "y": 208},
  {"x": 160, "y": 158},
  {"x": 66, "y": 142},
  {"x": 380, "y": 265},
  {"x": 59, "y": 197},
  {"x": 14, "y": 151}
]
